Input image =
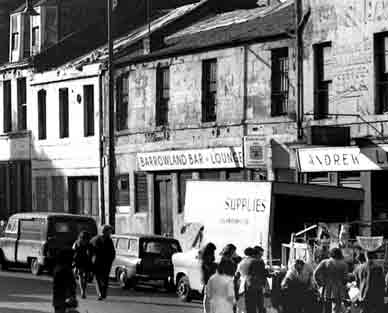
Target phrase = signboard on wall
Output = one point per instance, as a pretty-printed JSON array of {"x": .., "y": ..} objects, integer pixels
[
  {"x": 340, "y": 159},
  {"x": 227, "y": 157},
  {"x": 254, "y": 151}
]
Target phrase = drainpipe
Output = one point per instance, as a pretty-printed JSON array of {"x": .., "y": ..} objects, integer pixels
[
  {"x": 247, "y": 172},
  {"x": 299, "y": 68},
  {"x": 101, "y": 141}
]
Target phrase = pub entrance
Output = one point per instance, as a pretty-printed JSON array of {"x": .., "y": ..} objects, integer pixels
[{"x": 163, "y": 215}]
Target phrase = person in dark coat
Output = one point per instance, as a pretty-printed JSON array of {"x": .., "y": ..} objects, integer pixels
[
  {"x": 208, "y": 265},
  {"x": 252, "y": 271},
  {"x": 103, "y": 256},
  {"x": 64, "y": 285},
  {"x": 370, "y": 280},
  {"x": 229, "y": 253},
  {"x": 83, "y": 260},
  {"x": 331, "y": 275}
]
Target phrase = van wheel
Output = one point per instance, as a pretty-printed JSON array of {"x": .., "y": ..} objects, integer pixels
[
  {"x": 3, "y": 263},
  {"x": 35, "y": 267},
  {"x": 183, "y": 289}
]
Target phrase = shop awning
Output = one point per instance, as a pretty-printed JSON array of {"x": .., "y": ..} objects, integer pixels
[{"x": 318, "y": 191}]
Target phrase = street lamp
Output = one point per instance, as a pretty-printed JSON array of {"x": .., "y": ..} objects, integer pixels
[{"x": 111, "y": 154}]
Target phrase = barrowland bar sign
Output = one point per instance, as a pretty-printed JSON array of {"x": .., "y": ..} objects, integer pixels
[
  {"x": 333, "y": 159},
  {"x": 227, "y": 157}
]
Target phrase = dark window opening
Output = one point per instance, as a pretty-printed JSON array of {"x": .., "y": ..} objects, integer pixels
[
  {"x": 35, "y": 36},
  {"x": 322, "y": 81},
  {"x": 89, "y": 110},
  {"x": 7, "y": 106},
  {"x": 162, "y": 96},
  {"x": 63, "y": 113},
  {"x": 122, "y": 196},
  {"x": 41, "y": 193},
  {"x": 42, "y": 125},
  {"x": 279, "y": 82},
  {"x": 83, "y": 196},
  {"x": 381, "y": 72},
  {"x": 14, "y": 33},
  {"x": 22, "y": 103},
  {"x": 209, "y": 90},
  {"x": 141, "y": 192},
  {"x": 122, "y": 102}
]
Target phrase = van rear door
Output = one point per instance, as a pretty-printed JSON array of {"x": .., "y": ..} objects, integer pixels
[
  {"x": 30, "y": 240},
  {"x": 9, "y": 240}
]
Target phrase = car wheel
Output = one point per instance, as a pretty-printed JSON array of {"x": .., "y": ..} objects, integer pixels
[
  {"x": 3, "y": 263},
  {"x": 35, "y": 267},
  {"x": 122, "y": 278},
  {"x": 183, "y": 289}
]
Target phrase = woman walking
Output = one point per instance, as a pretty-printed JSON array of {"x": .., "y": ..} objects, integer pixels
[
  {"x": 83, "y": 261},
  {"x": 219, "y": 291}
]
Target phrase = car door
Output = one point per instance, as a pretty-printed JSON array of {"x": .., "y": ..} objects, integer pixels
[{"x": 8, "y": 242}]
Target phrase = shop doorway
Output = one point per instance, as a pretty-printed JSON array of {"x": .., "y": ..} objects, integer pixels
[
  {"x": 163, "y": 217},
  {"x": 83, "y": 196}
]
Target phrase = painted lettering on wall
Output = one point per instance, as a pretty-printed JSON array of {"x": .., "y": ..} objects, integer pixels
[
  {"x": 245, "y": 205},
  {"x": 191, "y": 159}
]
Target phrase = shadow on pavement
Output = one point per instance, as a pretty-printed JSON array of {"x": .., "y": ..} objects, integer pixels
[{"x": 3, "y": 310}]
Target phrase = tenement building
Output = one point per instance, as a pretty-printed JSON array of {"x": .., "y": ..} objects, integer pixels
[{"x": 183, "y": 111}]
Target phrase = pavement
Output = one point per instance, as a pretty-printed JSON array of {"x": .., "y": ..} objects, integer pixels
[{"x": 20, "y": 292}]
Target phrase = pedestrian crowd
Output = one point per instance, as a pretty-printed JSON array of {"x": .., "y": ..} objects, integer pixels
[
  {"x": 238, "y": 285},
  {"x": 89, "y": 257}
]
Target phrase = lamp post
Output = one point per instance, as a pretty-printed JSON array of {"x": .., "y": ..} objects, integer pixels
[{"x": 111, "y": 153}]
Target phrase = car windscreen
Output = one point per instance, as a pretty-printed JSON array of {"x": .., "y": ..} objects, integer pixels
[
  {"x": 69, "y": 228},
  {"x": 162, "y": 248}
]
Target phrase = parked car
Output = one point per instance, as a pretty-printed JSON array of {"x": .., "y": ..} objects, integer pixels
[
  {"x": 144, "y": 258},
  {"x": 33, "y": 239}
]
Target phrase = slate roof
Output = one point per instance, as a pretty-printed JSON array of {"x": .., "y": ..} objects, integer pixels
[{"x": 278, "y": 21}]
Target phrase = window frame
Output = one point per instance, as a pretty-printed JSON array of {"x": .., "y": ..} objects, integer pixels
[
  {"x": 42, "y": 114},
  {"x": 141, "y": 204},
  {"x": 122, "y": 101},
  {"x": 89, "y": 127},
  {"x": 63, "y": 99},
  {"x": 209, "y": 90},
  {"x": 321, "y": 84},
  {"x": 381, "y": 72},
  {"x": 162, "y": 95},
  {"x": 7, "y": 106},
  {"x": 279, "y": 81},
  {"x": 35, "y": 36},
  {"x": 119, "y": 192},
  {"x": 21, "y": 85}
]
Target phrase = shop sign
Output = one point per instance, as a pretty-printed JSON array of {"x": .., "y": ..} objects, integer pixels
[
  {"x": 228, "y": 157},
  {"x": 338, "y": 159},
  {"x": 254, "y": 151}
]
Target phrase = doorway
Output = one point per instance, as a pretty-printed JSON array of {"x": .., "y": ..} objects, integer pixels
[{"x": 163, "y": 217}]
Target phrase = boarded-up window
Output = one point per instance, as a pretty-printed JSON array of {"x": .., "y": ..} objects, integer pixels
[
  {"x": 209, "y": 90},
  {"x": 141, "y": 192},
  {"x": 25, "y": 186},
  {"x": 89, "y": 110},
  {"x": 22, "y": 103},
  {"x": 42, "y": 126},
  {"x": 7, "y": 106},
  {"x": 41, "y": 194},
  {"x": 63, "y": 113},
  {"x": 162, "y": 95},
  {"x": 122, "y": 101},
  {"x": 122, "y": 190},
  {"x": 58, "y": 193},
  {"x": 183, "y": 177}
]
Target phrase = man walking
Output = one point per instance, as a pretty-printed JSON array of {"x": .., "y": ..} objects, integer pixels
[
  {"x": 103, "y": 255},
  {"x": 331, "y": 276},
  {"x": 370, "y": 281}
]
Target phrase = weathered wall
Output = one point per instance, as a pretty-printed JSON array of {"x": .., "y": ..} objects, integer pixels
[
  {"x": 350, "y": 26},
  {"x": 185, "y": 129}
]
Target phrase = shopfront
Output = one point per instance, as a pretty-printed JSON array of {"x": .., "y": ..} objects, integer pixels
[{"x": 365, "y": 167}]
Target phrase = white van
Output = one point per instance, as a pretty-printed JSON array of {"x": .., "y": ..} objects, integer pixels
[{"x": 253, "y": 213}]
